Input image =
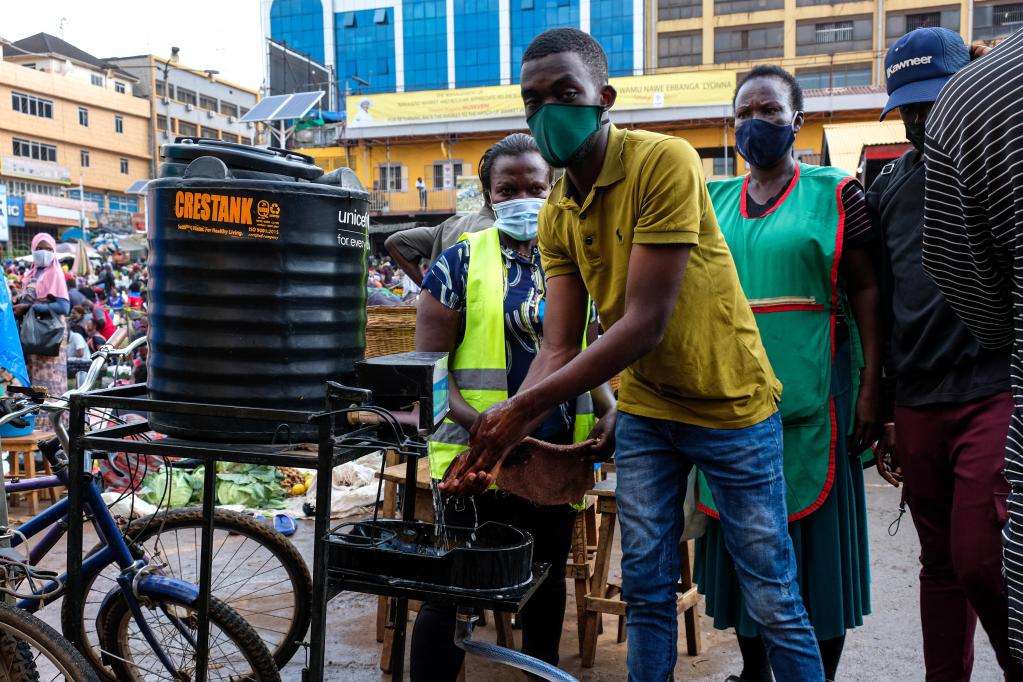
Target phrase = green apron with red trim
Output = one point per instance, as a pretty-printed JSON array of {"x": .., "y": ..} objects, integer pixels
[{"x": 788, "y": 265}]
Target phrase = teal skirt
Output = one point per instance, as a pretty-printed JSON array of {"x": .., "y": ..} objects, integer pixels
[{"x": 832, "y": 559}]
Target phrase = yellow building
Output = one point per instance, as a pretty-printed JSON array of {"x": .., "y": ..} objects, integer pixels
[
  {"x": 835, "y": 49},
  {"x": 67, "y": 120}
]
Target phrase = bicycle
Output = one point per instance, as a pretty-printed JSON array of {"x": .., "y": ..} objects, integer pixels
[
  {"x": 30, "y": 650},
  {"x": 144, "y": 603},
  {"x": 274, "y": 598},
  {"x": 267, "y": 587}
]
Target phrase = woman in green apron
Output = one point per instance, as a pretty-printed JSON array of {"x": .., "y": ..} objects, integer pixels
[{"x": 800, "y": 236}]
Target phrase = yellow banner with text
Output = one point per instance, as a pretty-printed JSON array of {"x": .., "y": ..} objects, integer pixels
[{"x": 698, "y": 88}]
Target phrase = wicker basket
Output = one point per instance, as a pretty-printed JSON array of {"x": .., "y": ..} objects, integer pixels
[{"x": 390, "y": 329}]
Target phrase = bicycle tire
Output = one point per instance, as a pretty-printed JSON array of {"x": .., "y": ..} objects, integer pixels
[
  {"x": 143, "y": 530},
  {"x": 20, "y": 633},
  {"x": 114, "y": 637}
]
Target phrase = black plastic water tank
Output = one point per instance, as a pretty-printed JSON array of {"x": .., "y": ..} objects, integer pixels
[{"x": 257, "y": 285}]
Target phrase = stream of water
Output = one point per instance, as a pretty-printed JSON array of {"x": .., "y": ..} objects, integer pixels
[{"x": 440, "y": 529}]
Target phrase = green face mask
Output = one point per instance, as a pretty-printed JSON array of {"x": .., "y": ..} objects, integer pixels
[{"x": 561, "y": 130}]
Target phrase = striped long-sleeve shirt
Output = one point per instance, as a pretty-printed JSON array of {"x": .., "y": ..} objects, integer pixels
[{"x": 973, "y": 241}]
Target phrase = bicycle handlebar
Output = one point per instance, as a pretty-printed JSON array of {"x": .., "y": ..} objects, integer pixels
[{"x": 55, "y": 407}]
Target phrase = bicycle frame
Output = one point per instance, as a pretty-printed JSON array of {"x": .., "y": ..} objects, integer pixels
[{"x": 115, "y": 550}]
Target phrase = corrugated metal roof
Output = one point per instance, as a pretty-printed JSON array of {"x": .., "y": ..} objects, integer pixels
[{"x": 844, "y": 142}]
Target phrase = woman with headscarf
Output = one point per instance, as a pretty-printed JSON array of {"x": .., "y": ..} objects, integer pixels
[{"x": 44, "y": 289}]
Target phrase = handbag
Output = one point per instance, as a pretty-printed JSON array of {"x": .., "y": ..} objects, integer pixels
[{"x": 41, "y": 333}]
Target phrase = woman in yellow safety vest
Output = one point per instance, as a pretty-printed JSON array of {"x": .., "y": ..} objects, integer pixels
[{"x": 483, "y": 303}]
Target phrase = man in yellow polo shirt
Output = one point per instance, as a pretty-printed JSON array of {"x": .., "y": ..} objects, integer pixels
[{"x": 631, "y": 223}]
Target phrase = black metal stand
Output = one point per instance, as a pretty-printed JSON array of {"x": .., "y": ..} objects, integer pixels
[
  {"x": 329, "y": 452},
  {"x": 326, "y": 456}
]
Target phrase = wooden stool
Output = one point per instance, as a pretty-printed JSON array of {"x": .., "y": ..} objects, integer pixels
[
  {"x": 394, "y": 475},
  {"x": 24, "y": 449},
  {"x": 604, "y": 598}
]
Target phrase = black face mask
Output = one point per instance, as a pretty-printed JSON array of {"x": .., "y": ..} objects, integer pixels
[{"x": 915, "y": 135}]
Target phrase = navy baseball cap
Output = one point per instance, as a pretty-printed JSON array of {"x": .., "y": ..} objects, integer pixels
[{"x": 920, "y": 63}]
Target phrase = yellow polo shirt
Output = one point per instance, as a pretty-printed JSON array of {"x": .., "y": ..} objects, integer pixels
[{"x": 710, "y": 369}]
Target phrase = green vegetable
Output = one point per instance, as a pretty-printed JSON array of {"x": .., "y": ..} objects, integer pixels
[
  {"x": 250, "y": 485},
  {"x": 170, "y": 488}
]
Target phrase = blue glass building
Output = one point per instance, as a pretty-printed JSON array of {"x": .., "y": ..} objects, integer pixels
[{"x": 404, "y": 45}]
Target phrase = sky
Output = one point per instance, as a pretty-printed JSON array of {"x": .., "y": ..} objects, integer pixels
[{"x": 223, "y": 35}]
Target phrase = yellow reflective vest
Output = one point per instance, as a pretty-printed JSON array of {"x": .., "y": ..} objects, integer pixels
[{"x": 479, "y": 365}]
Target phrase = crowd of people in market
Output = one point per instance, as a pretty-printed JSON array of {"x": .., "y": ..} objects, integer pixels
[{"x": 60, "y": 307}]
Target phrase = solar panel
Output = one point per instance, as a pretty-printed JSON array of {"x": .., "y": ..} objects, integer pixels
[
  {"x": 299, "y": 105},
  {"x": 138, "y": 187},
  {"x": 265, "y": 108}
]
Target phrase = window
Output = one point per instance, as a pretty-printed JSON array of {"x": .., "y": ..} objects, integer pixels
[
  {"x": 839, "y": 76},
  {"x": 739, "y": 6},
  {"x": 228, "y": 137},
  {"x": 391, "y": 177},
  {"x": 246, "y": 140},
  {"x": 1009, "y": 15},
  {"x": 380, "y": 16},
  {"x": 899, "y": 24},
  {"x": 679, "y": 9},
  {"x": 124, "y": 166},
  {"x": 187, "y": 129},
  {"x": 834, "y": 32},
  {"x": 739, "y": 45},
  {"x": 828, "y": 37},
  {"x": 123, "y": 204},
  {"x": 915, "y": 21},
  {"x": 228, "y": 109},
  {"x": 83, "y": 117},
  {"x": 723, "y": 165},
  {"x": 242, "y": 111},
  {"x": 439, "y": 175},
  {"x": 995, "y": 21},
  {"x": 212, "y": 133},
  {"x": 682, "y": 48},
  {"x": 30, "y": 149},
  {"x": 161, "y": 122},
  {"x": 96, "y": 79},
  {"x": 83, "y": 158},
  {"x": 120, "y": 87},
  {"x": 161, "y": 88},
  {"x": 207, "y": 102},
  {"x": 89, "y": 196},
  {"x": 526, "y": 4},
  {"x": 186, "y": 96},
  {"x": 19, "y": 188},
  {"x": 349, "y": 20},
  {"x": 32, "y": 105},
  {"x": 118, "y": 124}
]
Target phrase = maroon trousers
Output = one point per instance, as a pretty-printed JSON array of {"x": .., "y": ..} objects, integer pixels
[{"x": 952, "y": 457}]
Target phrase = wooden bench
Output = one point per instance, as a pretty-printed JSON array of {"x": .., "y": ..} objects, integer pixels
[{"x": 604, "y": 597}]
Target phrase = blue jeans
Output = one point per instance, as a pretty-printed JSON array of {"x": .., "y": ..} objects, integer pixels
[{"x": 744, "y": 470}]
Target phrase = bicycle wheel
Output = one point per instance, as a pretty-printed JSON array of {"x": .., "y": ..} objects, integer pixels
[
  {"x": 256, "y": 571},
  {"x": 236, "y": 653},
  {"x": 30, "y": 650}
]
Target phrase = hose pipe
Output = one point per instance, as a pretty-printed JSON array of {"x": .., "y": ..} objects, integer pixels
[{"x": 500, "y": 654}]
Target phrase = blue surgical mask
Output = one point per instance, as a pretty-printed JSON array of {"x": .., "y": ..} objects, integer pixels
[
  {"x": 517, "y": 217},
  {"x": 763, "y": 144}
]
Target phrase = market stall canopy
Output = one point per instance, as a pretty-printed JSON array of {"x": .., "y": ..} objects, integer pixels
[{"x": 844, "y": 143}]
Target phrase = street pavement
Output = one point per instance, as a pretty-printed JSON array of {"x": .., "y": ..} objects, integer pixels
[{"x": 887, "y": 647}]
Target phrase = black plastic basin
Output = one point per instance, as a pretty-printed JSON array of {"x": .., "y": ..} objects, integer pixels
[{"x": 494, "y": 556}]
